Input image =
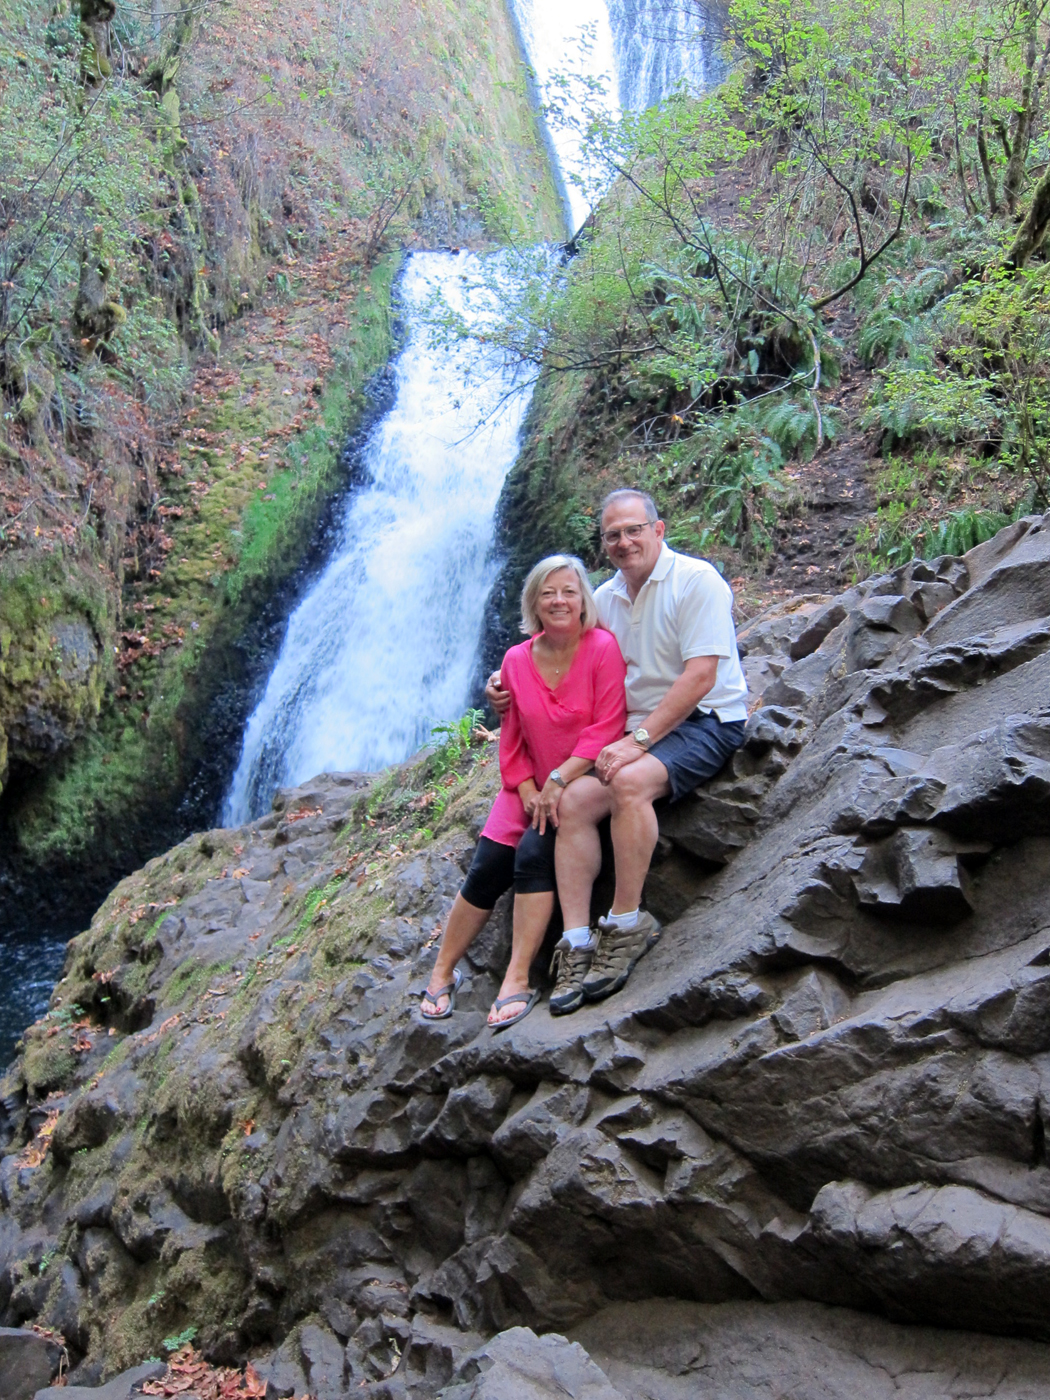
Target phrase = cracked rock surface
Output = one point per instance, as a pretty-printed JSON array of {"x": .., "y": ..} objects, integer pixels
[{"x": 816, "y": 1112}]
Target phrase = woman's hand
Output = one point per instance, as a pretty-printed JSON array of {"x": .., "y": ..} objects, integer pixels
[
  {"x": 530, "y": 795},
  {"x": 545, "y": 807}
]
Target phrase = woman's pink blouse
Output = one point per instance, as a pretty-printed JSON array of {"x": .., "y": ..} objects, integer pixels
[{"x": 544, "y": 727}]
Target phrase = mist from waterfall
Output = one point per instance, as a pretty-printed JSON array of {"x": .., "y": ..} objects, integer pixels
[{"x": 384, "y": 642}]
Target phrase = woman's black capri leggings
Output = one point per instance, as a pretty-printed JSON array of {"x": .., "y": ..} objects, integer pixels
[{"x": 529, "y": 867}]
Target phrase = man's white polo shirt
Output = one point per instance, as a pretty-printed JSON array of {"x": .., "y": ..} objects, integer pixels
[{"x": 684, "y": 609}]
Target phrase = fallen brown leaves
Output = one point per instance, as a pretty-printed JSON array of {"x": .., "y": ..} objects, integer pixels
[
  {"x": 189, "y": 1372},
  {"x": 33, "y": 1154}
]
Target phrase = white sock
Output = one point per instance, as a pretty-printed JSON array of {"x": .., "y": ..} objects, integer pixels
[
  {"x": 623, "y": 920},
  {"x": 578, "y": 937}
]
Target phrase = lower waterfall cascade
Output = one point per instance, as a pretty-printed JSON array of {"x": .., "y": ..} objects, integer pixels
[{"x": 384, "y": 642}]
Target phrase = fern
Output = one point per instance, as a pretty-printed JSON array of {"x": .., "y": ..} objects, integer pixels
[
  {"x": 792, "y": 424},
  {"x": 962, "y": 530},
  {"x": 909, "y": 403}
]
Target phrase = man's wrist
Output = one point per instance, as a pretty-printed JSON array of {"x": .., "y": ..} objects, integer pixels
[{"x": 641, "y": 738}]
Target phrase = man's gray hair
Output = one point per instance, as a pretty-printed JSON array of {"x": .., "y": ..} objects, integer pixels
[
  {"x": 538, "y": 576},
  {"x": 651, "y": 513}
]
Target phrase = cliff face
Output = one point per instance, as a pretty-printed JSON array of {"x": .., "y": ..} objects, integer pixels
[
  {"x": 826, "y": 1082},
  {"x": 181, "y": 371}
]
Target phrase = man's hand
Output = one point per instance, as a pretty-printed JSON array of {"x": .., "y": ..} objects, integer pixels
[
  {"x": 616, "y": 756},
  {"x": 497, "y": 697}
]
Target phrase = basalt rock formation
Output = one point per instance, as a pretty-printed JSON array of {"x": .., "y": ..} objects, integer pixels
[{"x": 827, "y": 1082}]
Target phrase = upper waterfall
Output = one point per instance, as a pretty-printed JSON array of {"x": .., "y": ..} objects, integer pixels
[
  {"x": 612, "y": 56},
  {"x": 658, "y": 46},
  {"x": 384, "y": 642}
]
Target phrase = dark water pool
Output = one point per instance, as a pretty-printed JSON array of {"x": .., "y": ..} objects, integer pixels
[{"x": 29, "y": 968}]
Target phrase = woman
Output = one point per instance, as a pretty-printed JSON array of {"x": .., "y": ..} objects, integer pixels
[{"x": 567, "y": 702}]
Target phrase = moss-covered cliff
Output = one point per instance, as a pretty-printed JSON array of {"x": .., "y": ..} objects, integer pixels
[{"x": 205, "y": 218}]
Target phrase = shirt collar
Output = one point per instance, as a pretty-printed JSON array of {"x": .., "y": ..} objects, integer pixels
[{"x": 661, "y": 569}]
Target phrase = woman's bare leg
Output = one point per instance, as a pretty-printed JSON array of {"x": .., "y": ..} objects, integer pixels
[
  {"x": 532, "y": 914},
  {"x": 465, "y": 921}
]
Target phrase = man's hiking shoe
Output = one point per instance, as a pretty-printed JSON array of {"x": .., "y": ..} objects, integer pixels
[
  {"x": 569, "y": 967},
  {"x": 616, "y": 954}
]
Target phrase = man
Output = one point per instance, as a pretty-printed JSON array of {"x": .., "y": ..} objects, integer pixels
[{"x": 686, "y": 702}]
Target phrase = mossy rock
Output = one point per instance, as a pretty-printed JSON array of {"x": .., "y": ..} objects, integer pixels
[
  {"x": 53, "y": 669},
  {"x": 49, "y": 1063}
]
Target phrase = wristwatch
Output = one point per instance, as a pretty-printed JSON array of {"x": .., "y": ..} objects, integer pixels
[
  {"x": 556, "y": 775},
  {"x": 641, "y": 738}
]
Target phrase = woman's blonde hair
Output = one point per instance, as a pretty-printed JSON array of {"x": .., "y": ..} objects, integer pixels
[{"x": 538, "y": 576}]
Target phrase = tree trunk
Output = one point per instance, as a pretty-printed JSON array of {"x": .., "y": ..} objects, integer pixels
[
  {"x": 982, "y": 144},
  {"x": 95, "y": 17},
  {"x": 1032, "y": 232},
  {"x": 1015, "y": 166}
]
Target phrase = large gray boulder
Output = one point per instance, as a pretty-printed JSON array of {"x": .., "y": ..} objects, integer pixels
[{"x": 518, "y": 1365}]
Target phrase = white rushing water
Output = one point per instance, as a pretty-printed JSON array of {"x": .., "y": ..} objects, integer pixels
[
  {"x": 659, "y": 46},
  {"x": 569, "y": 46},
  {"x": 384, "y": 642}
]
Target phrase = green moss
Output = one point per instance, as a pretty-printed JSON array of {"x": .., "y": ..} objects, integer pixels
[
  {"x": 138, "y": 755},
  {"x": 56, "y": 632},
  {"x": 189, "y": 979},
  {"x": 49, "y": 1064}
]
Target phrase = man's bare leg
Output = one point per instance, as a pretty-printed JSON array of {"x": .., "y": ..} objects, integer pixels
[
  {"x": 578, "y": 849},
  {"x": 532, "y": 914},
  {"x": 634, "y": 827},
  {"x": 465, "y": 921}
]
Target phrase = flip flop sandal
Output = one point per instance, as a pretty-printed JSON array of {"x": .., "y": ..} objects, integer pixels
[
  {"x": 448, "y": 991},
  {"x": 530, "y": 998}
]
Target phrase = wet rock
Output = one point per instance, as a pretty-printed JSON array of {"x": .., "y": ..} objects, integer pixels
[
  {"x": 283, "y": 1371},
  {"x": 324, "y": 1361},
  {"x": 827, "y": 1081},
  {"x": 434, "y": 1353},
  {"x": 750, "y": 1351},
  {"x": 917, "y": 875}
]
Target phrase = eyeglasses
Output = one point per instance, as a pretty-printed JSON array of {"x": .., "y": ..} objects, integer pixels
[{"x": 629, "y": 532}]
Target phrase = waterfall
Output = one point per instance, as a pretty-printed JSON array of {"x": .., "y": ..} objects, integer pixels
[
  {"x": 569, "y": 47},
  {"x": 613, "y": 55},
  {"x": 658, "y": 46},
  {"x": 385, "y": 640}
]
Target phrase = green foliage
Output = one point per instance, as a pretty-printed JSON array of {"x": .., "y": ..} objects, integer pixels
[
  {"x": 962, "y": 531},
  {"x": 896, "y": 537},
  {"x": 315, "y": 901},
  {"x": 179, "y": 1339},
  {"x": 911, "y": 403},
  {"x": 892, "y": 328},
  {"x": 452, "y": 739}
]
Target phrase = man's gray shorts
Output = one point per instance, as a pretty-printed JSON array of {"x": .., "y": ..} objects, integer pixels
[{"x": 697, "y": 749}]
